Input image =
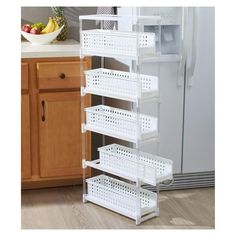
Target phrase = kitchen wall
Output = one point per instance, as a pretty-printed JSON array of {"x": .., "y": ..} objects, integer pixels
[{"x": 34, "y": 14}]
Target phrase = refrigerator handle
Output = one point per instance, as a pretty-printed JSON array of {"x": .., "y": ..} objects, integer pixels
[
  {"x": 193, "y": 58},
  {"x": 183, "y": 47}
]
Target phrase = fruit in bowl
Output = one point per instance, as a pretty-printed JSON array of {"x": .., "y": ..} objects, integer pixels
[
  {"x": 26, "y": 28},
  {"x": 35, "y": 30},
  {"x": 38, "y": 33}
]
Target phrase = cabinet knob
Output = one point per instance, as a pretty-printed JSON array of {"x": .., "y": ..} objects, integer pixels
[{"x": 62, "y": 76}]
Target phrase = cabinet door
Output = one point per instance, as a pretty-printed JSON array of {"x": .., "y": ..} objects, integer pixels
[
  {"x": 25, "y": 138},
  {"x": 60, "y": 134},
  {"x": 198, "y": 144}
]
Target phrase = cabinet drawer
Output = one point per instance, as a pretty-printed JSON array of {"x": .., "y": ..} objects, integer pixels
[
  {"x": 59, "y": 75},
  {"x": 24, "y": 76}
]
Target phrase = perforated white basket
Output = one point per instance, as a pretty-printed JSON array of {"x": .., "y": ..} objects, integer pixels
[
  {"x": 120, "y": 85},
  {"x": 110, "y": 43},
  {"x": 152, "y": 169},
  {"x": 120, "y": 123},
  {"x": 119, "y": 196}
]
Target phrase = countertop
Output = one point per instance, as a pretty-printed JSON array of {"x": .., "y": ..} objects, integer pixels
[{"x": 68, "y": 48}]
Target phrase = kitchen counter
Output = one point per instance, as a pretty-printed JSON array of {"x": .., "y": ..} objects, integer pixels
[{"x": 68, "y": 48}]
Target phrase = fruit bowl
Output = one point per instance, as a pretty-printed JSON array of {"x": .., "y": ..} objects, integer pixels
[{"x": 38, "y": 39}]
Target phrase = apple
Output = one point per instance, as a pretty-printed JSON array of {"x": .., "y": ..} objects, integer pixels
[
  {"x": 26, "y": 28},
  {"x": 35, "y": 30}
]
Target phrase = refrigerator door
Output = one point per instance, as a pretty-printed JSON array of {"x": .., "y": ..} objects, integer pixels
[
  {"x": 198, "y": 135},
  {"x": 171, "y": 114},
  {"x": 171, "y": 78},
  {"x": 171, "y": 86}
]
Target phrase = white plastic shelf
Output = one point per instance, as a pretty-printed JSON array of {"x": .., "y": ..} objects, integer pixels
[
  {"x": 121, "y": 85},
  {"x": 112, "y": 43},
  {"x": 124, "y": 198},
  {"x": 119, "y": 196},
  {"x": 119, "y": 123},
  {"x": 152, "y": 20},
  {"x": 123, "y": 161}
]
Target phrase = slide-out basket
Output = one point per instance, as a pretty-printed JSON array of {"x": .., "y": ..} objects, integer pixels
[
  {"x": 149, "y": 168},
  {"x": 120, "y": 123},
  {"x": 119, "y": 196},
  {"x": 121, "y": 85},
  {"x": 111, "y": 43}
]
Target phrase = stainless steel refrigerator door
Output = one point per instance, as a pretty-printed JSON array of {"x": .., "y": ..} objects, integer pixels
[
  {"x": 171, "y": 113},
  {"x": 171, "y": 90},
  {"x": 198, "y": 135}
]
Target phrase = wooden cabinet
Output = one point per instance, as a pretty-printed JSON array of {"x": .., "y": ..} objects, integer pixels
[
  {"x": 54, "y": 106},
  {"x": 25, "y": 137},
  {"x": 25, "y": 124},
  {"x": 60, "y": 134},
  {"x": 61, "y": 75},
  {"x": 24, "y": 77}
]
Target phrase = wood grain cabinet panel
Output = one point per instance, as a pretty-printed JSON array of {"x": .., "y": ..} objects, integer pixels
[
  {"x": 60, "y": 75},
  {"x": 60, "y": 134},
  {"x": 25, "y": 138},
  {"x": 24, "y": 76},
  {"x": 51, "y": 121}
]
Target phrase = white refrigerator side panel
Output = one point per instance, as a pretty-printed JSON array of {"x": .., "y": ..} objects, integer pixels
[
  {"x": 198, "y": 145},
  {"x": 171, "y": 95},
  {"x": 171, "y": 114}
]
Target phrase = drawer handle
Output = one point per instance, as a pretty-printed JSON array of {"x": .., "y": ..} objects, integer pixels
[
  {"x": 43, "y": 106},
  {"x": 62, "y": 76}
]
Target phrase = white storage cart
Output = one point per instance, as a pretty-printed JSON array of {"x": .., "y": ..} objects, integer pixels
[{"x": 125, "y": 196}]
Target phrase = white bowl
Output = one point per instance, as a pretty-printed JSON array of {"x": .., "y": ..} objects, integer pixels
[{"x": 38, "y": 39}]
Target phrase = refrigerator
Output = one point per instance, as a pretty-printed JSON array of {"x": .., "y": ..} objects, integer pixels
[{"x": 185, "y": 67}]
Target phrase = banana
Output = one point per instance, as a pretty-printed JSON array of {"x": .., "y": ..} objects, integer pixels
[
  {"x": 49, "y": 27},
  {"x": 56, "y": 25}
]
